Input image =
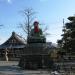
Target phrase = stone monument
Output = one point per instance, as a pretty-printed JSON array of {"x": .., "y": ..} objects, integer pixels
[{"x": 36, "y": 52}]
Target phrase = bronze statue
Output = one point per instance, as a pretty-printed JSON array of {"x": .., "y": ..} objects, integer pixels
[
  {"x": 36, "y": 31},
  {"x": 36, "y": 34}
]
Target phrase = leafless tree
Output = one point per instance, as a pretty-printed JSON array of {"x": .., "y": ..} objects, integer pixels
[
  {"x": 28, "y": 22},
  {"x": 29, "y": 17}
]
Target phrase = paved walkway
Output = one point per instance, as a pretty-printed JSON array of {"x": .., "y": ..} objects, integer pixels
[{"x": 11, "y": 68}]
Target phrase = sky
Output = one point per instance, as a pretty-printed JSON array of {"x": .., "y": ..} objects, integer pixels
[{"x": 48, "y": 12}]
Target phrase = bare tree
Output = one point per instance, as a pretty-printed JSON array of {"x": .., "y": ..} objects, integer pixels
[
  {"x": 28, "y": 22},
  {"x": 45, "y": 31},
  {"x": 29, "y": 17}
]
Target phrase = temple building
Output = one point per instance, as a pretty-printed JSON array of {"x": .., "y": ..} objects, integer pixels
[{"x": 12, "y": 48}]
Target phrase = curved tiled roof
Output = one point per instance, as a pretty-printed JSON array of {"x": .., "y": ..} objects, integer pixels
[{"x": 15, "y": 40}]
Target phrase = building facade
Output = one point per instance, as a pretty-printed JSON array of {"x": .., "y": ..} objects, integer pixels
[{"x": 13, "y": 48}]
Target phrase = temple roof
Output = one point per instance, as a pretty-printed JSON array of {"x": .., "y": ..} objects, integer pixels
[{"x": 14, "y": 41}]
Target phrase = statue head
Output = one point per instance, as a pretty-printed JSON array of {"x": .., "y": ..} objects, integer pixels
[
  {"x": 36, "y": 28},
  {"x": 36, "y": 23}
]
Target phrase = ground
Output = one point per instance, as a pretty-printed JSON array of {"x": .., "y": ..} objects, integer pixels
[{"x": 11, "y": 68}]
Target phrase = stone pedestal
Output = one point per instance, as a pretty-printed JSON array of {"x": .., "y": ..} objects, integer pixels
[{"x": 35, "y": 57}]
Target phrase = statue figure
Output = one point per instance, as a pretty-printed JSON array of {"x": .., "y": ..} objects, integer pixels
[
  {"x": 36, "y": 34},
  {"x": 6, "y": 54}
]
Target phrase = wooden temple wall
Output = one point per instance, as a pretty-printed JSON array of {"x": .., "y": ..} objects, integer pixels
[{"x": 12, "y": 54}]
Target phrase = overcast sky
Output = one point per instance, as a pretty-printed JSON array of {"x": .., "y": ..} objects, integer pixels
[{"x": 49, "y": 12}]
